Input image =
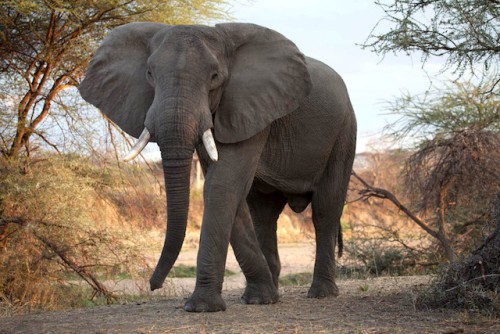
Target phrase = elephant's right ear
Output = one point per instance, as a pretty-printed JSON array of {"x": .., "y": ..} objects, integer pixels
[{"x": 116, "y": 80}]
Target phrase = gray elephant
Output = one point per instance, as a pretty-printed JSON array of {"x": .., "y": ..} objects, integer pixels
[{"x": 270, "y": 126}]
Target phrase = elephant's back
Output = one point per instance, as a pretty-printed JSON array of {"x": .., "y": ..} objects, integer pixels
[{"x": 329, "y": 93}]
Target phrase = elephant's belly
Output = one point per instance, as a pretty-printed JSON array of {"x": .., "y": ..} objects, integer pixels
[
  {"x": 297, "y": 152},
  {"x": 298, "y": 201},
  {"x": 293, "y": 170},
  {"x": 287, "y": 183}
]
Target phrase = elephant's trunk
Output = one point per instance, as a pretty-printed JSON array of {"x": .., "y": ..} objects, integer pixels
[
  {"x": 177, "y": 180},
  {"x": 176, "y": 138}
]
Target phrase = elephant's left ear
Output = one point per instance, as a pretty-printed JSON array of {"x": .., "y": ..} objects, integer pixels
[{"x": 268, "y": 78}]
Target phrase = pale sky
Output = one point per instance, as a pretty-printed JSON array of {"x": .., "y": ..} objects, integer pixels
[{"x": 329, "y": 30}]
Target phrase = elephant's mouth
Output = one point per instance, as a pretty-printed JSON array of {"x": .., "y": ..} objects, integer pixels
[{"x": 207, "y": 138}]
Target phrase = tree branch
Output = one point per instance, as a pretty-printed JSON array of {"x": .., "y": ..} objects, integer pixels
[
  {"x": 79, "y": 270},
  {"x": 371, "y": 191},
  {"x": 54, "y": 146}
]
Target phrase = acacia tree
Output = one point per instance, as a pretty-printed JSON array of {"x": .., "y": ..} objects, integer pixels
[
  {"x": 47, "y": 44},
  {"x": 465, "y": 32}
]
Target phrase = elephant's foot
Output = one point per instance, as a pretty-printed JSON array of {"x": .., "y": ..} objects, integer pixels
[
  {"x": 323, "y": 288},
  {"x": 205, "y": 303},
  {"x": 260, "y": 293}
]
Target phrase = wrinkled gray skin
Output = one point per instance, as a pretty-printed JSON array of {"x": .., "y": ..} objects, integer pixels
[{"x": 284, "y": 128}]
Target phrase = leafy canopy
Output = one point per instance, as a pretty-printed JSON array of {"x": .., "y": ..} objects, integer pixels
[
  {"x": 465, "y": 31},
  {"x": 441, "y": 112}
]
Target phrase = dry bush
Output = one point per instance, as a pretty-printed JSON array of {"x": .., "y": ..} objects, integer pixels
[
  {"x": 453, "y": 173},
  {"x": 446, "y": 188},
  {"x": 49, "y": 236},
  {"x": 473, "y": 282},
  {"x": 452, "y": 180},
  {"x": 135, "y": 190}
]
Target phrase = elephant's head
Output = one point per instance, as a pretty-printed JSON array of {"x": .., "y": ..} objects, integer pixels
[{"x": 173, "y": 83}]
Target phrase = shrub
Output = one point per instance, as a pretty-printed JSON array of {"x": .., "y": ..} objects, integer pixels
[
  {"x": 48, "y": 229},
  {"x": 472, "y": 283}
]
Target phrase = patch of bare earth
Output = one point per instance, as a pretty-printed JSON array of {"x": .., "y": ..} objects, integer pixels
[{"x": 381, "y": 305}]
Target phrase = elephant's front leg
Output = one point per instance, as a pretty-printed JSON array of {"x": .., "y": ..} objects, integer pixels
[{"x": 227, "y": 183}]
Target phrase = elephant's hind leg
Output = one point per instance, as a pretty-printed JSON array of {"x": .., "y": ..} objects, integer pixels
[
  {"x": 326, "y": 227},
  {"x": 327, "y": 205},
  {"x": 265, "y": 210},
  {"x": 260, "y": 288}
]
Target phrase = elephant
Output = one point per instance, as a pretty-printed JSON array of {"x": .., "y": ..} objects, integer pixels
[{"x": 270, "y": 126}]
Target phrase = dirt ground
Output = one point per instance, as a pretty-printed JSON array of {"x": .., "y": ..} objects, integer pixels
[{"x": 380, "y": 305}]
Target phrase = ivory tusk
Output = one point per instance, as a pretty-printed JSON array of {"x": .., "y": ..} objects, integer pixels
[
  {"x": 139, "y": 146},
  {"x": 209, "y": 143}
]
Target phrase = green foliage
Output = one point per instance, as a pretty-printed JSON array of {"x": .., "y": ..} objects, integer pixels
[
  {"x": 465, "y": 31},
  {"x": 182, "y": 271},
  {"x": 441, "y": 112},
  {"x": 80, "y": 25},
  {"x": 364, "y": 288}
]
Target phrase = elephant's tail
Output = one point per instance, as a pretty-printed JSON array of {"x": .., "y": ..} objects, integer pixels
[{"x": 340, "y": 241}]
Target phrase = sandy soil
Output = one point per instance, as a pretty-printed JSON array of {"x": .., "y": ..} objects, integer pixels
[
  {"x": 381, "y": 305},
  {"x": 295, "y": 258}
]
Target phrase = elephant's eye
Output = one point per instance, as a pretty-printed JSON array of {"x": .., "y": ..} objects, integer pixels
[
  {"x": 216, "y": 80},
  {"x": 149, "y": 74}
]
